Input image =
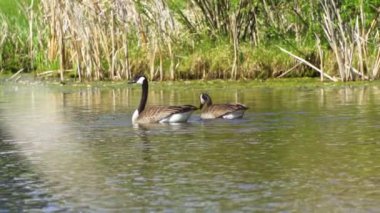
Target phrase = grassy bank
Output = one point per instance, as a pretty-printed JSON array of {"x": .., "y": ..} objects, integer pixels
[
  {"x": 13, "y": 37},
  {"x": 173, "y": 39}
]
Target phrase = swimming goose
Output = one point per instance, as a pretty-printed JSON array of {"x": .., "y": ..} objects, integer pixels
[
  {"x": 226, "y": 111},
  {"x": 158, "y": 114}
]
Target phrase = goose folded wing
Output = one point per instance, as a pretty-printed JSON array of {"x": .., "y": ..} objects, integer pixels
[
  {"x": 220, "y": 110},
  {"x": 154, "y": 114}
]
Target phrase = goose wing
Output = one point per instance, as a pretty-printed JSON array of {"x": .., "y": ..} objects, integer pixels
[
  {"x": 219, "y": 110},
  {"x": 154, "y": 114}
]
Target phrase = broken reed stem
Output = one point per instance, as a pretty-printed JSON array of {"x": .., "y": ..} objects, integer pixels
[
  {"x": 289, "y": 70},
  {"x": 308, "y": 64},
  {"x": 16, "y": 74}
]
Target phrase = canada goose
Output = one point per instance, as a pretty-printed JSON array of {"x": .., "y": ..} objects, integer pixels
[
  {"x": 226, "y": 111},
  {"x": 158, "y": 114}
]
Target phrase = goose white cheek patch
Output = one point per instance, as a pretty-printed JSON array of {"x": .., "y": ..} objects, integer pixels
[
  {"x": 202, "y": 100},
  {"x": 141, "y": 80}
]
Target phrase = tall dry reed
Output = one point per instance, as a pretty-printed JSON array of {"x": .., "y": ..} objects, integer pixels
[
  {"x": 354, "y": 46},
  {"x": 113, "y": 39}
]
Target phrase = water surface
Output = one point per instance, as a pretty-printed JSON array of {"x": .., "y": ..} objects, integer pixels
[{"x": 296, "y": 149}]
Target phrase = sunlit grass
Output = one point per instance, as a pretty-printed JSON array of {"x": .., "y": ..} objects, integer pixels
[
  {"x": 9, "y": 7},
  {"x": 30, "y": 40},
  {"x": 13, "y": 13}
]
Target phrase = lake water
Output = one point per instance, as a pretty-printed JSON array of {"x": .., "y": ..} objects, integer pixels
[{"x": 302, "y": 149}]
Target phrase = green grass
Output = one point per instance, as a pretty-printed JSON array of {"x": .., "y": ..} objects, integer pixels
[
  {"x": 13, "y": 13},
  {"x": 196, "y": 54},
  {"x": 13, "y": 50},
  {"x": 9, "y": 7}
]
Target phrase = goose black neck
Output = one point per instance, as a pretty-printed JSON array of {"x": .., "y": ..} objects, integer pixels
[
  {"x": 208, "y": 101},
  {"x": 144, "y": 96},
  {"x": 206, "y": 104}
]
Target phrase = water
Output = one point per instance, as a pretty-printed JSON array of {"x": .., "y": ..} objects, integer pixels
[{"x": 302, "y": 149}]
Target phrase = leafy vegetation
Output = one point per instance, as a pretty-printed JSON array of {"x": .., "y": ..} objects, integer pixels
[{"x": 176, "y": 39}]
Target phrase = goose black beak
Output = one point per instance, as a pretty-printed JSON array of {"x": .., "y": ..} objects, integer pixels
[{"x": 131, "y": 82}]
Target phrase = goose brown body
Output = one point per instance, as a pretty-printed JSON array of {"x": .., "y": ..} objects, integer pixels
[
  {"x": 158, "y": 114},
  {"x": 226, "y": 111},
  {"x": 164, "y": 114}
]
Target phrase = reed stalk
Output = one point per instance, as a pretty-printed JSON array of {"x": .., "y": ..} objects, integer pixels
[
  {"x": 114, "y": 39},
  {"x": 309, "y": 64},
  {"x": 31, "y": 48},
  {"x": 236, "y": 48},
  {"x": 350, "y": 44},
  {"x": 338, "y": 39}
]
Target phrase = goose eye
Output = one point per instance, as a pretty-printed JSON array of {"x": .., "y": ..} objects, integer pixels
[{"x": 202, "y": 98}]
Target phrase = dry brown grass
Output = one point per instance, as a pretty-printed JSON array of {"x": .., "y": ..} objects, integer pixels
[
  {"x": 93, "y": 37},
  {"x": 114, "y": 39}
]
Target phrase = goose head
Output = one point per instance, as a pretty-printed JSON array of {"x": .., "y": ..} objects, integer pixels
[
  {"x": 205, "y": 100},
  {"x": 139, "y": 79}
]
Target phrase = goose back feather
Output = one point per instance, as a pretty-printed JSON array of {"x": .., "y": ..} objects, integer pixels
[
  {"x": 226, "y": 111},
  {"x": 165, "y": 114}
]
